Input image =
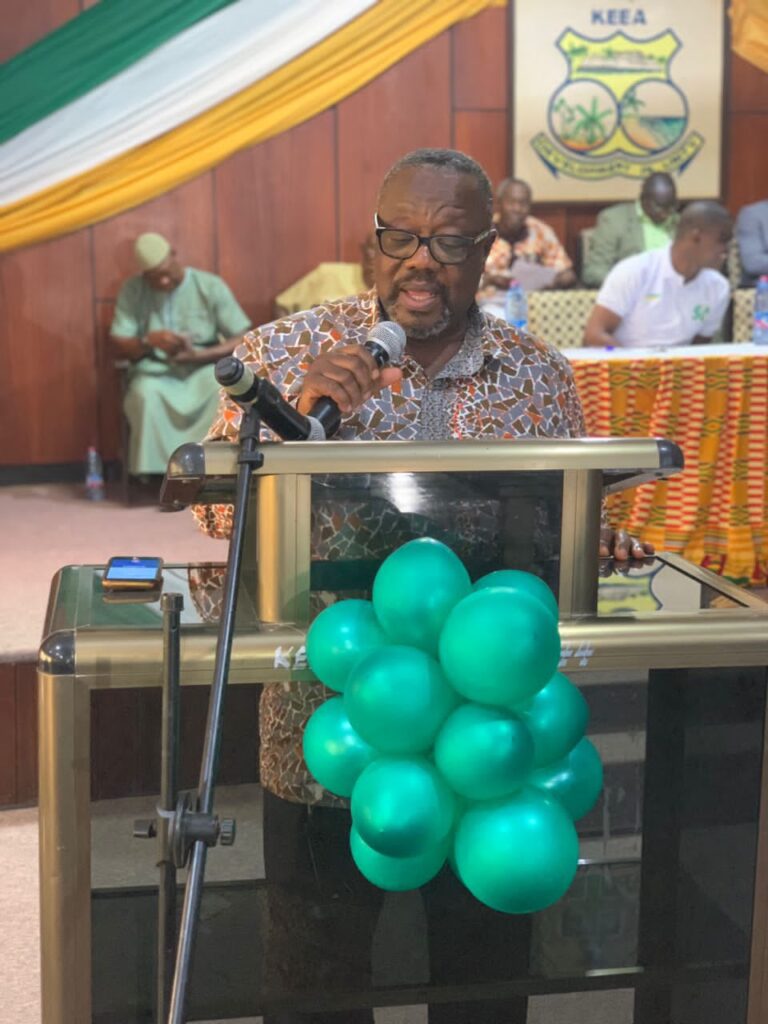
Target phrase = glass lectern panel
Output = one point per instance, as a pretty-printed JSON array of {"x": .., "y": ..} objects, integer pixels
[{"x": 491, "y": 520}]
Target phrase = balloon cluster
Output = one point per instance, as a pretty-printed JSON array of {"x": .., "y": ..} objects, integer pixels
[{"x": 454, "y": 735}]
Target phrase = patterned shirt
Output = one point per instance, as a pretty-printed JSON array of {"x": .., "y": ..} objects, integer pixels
[
  {"x": 500, "y": 383},
  {"x": 540, "y": 245}
]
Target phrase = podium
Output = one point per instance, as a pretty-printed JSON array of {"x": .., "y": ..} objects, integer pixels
[{"x": 669, "y": 909}]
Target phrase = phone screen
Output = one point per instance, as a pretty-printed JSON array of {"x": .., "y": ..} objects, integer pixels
[{"x": 132, "y": 570}]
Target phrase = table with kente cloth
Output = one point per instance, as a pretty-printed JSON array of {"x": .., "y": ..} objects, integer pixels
[{"x": 712, "y": 400}]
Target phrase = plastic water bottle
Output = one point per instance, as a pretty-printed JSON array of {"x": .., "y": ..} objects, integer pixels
[
  {"x": 94, "y": 476},
  {"x": 760, "y": 323},
  {"x": 516, "y": 307}
]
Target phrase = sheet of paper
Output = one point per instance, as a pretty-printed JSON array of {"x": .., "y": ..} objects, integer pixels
[{"x": 532, "y": 276}]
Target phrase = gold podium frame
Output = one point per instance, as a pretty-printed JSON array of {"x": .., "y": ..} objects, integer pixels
[{"x": 73, "y": 662}]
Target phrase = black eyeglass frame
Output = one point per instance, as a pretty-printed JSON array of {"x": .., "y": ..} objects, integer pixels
[{"x": 427, "y": 240}]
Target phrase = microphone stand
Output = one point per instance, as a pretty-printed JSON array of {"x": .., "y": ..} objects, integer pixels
[{"x": 193, "y": 827}]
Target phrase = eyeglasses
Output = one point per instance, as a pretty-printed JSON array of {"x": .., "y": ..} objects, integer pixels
[{"x": 401, "y": 245}]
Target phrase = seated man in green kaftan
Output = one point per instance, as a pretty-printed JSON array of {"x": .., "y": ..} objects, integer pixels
[{"x": 172, "y": 323}]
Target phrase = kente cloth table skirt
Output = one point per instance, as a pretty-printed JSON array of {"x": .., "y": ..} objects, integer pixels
[{"x": 712, "y": 400}]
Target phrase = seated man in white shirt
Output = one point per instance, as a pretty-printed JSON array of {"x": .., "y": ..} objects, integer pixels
[{"x": 669, "y": 296}]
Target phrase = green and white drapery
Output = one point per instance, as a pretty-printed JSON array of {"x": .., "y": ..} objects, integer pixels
[
  {"x": 74, "y": 59},
  {"x": 134, "y": 97}
]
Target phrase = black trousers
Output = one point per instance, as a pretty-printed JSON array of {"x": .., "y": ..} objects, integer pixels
[{"x": 323, "y": 913}]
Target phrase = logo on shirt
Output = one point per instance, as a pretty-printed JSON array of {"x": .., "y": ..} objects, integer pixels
[
  {"x": 617, "y": 113},
  {"x": 700, "y": 313}
]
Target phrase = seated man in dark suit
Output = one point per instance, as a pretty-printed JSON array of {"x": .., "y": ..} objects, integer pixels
[
  {"x": 752, "y": 236},
  {"x": 629, "y": 228}
]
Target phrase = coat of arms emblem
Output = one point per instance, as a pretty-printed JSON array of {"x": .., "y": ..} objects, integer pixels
[{"x": 618, "y": 113}]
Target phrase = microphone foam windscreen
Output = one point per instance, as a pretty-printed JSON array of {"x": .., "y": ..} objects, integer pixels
[{"x": 391, "y": 337}]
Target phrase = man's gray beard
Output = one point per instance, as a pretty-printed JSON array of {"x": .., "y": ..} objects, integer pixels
[{"x": 422, "y": 333}]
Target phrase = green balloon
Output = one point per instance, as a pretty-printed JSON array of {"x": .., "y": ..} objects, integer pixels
[
  {"x": 397, "y": 698},
  {"x": 556, "y": 718},
  {"x": 396, "y": 874},
  {"x": 483, "y": 752},
  {"x": 334, "y": 752},
  {"x": 415, "y": 589},
  {"x": 337, "y": 639},
  {"x": 402, "y": 807},
  {"x": 499, "y": 646},
  {"x": 522, "y": 583},
  {"x": 519, "y": 854},
  {"x": 576, "y": 780}
]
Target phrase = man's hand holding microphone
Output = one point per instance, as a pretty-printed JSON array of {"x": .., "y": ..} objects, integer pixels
[
  {"x": 337, "y": 383},
  {"x": 348, "y": 375}
]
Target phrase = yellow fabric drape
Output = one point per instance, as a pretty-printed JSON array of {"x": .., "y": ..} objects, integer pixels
[
  {"x": 749, "y": 31},
  {"x": 314, "y": 81}
]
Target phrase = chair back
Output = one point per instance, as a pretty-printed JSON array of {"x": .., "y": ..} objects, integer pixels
[
  {"x": 584, "y": 243},
  {"x": 560, "y": 317},
  {"x": 743, "y": 313},
  {"x": 326, "y": 283},
  {"x": 733, "y": 268}
]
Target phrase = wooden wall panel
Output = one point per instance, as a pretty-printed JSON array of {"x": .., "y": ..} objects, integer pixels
[
  {"x": 747, "y": 141},
  {"x": 406, "y": 107},
  {"x": 7, "y": 734},
  {"x": 24, "y": 22},
  {"x": 18, "y": 733},
  {"x": 276, "y": 213},
  {"x": 109, "y": 398},
  {"x": 26, "y": 733},
  {"x": 483, "y": 134},
  {"x": 748, "y": 90},
  {"x": 480, "y": 62},
  {"x": 48, "y": 383}
]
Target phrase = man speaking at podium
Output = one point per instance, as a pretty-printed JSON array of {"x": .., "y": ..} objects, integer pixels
[{"x": 464, "y": 375}]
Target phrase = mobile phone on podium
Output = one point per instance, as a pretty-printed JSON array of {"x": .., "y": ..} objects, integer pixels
[{"x": 133, "y": 573}]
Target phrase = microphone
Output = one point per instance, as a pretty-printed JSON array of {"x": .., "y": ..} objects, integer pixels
[
  {"x": 239, "y": 381},
  {"x": 386, "y": 343}
]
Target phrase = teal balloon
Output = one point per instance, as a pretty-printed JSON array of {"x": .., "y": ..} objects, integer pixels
[
  {"x": 483, "y": 752},
  {"x": 517, "y": 855},
  {"x": 415, "y": 589},
  {"x": 397, "y": 698},
  {"x": 335, "y": 754},
  {"x": 576, "y": 780},
  {"x": 396, "y": 874},
  {"x": 522, "y": 583},
  {"x": 402, "y": 807},
  {"x": 556, "y": 718},
  {"x": 499, "y": 646},
  {"x": 337, "y": 639}
]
